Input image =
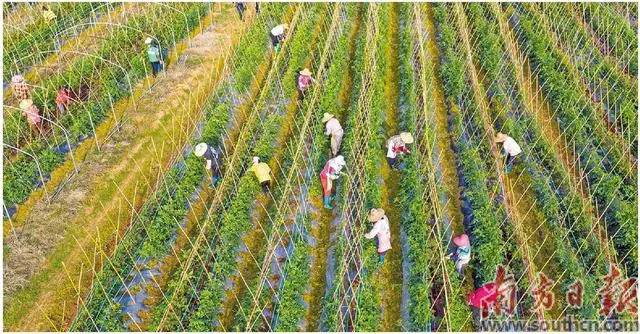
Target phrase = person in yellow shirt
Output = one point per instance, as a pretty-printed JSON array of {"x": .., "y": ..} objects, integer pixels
[{"x": 262, "y": 171}]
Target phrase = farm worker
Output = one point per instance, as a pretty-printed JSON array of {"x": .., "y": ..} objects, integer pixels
[
  {"x": 304, "y": 81},
  {"x": 257, "y": 8},
  {"x": 380, "y": 231},
  {"x": 240, "y": 7},
  {"x": 20, "y": 88},
  {"x": 153, "y": 52},
  {"x": 63, "y": 99},
  {"x": 33, "y": 115},
  {"x": 213, "y": 161},
  {"x": 331, "y": 171},
  {"x": 334, "y": 129},
  {"x": 277, "y": 35},
  {"x": 462, "y": 255},
  {"x": 484, "y": 297},
  {"x": 262, "y": 171},
  {"x": 48, "y": 14},
  {"x": 509, "y": 148},
  {"x": 398, "y": 144}
]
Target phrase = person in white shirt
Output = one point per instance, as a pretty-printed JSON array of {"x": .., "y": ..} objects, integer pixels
[
  {"x": 277, "y": 35},
  {"x": 334, "y": 129},
  {"x": 380, "y": 231},
  {"x": 509, "y": 148}
]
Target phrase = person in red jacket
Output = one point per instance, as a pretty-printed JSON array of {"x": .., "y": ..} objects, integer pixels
[
  {"x": 63, "y": 99},
  {"x": 484, "y": 297},
  {"x": 331, "y": 171}
]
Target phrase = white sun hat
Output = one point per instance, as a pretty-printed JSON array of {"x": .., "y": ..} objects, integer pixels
[
  {"x": 256, "y": 160},
  {"x": 148, "y": 40},
  {"x": 200, "y": 149}
]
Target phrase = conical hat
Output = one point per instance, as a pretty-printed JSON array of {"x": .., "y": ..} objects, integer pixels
[
  {"x": 256, "y": 160},
  {"x": 375, "y": 215},
  {"x": 24, "y": 104},
  {"x": 17, "y": 79},
  {"x": 406, "y": 137},
  {"x": 200, "y": 149},
  {"x": 148, "y": 40},
  {"x": 501, "y": 137},
  {"x": 461, "y": 240},
  {"x": 339, "y": 160},
  {"x": 305, "y": 71},
  {"x": 326, "y": 117}
]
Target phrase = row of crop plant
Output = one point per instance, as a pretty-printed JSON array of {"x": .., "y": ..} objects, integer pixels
[
  {"x": 491, "y": 231},
  {"x": 151, "y": 235},
  {"x": 228, "y": 215},
  {"x": 620, "y": 38},
  {"x": 609, "y": 173},
  {"x": 553, "y": 198},
  {"x": 111, "y": 74},
  {"x": 25, "y": 46},
  {"x": 611, "y": 90}
]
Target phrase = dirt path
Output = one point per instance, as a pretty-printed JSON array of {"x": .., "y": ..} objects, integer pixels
[
  {"x": 537, "y": 104},
  {"x": 391, "y": 280},
  {"x": 53, "y": 253}
]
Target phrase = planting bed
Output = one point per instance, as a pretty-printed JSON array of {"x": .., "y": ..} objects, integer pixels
[{"x": 111, "y": 222}]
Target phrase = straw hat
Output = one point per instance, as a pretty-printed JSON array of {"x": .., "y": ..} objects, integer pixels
[
  {"x": 17, "y": 79},
  {"x": 326, "y": 117},
  {"x": 200, "y": 149},
  {"x": 148, "y": 40},
  {"x": 461, "y": 240},
  {"x": 256, "y": 160},
  {"x": 24, "y": 104},
  {"x": 375, "y": 215},
  {"x": 501, "y": 137},
  {"x": 305, "y": 71},
  {"x": 339, "y": 160},
  {"x": 406, "y": 137}
]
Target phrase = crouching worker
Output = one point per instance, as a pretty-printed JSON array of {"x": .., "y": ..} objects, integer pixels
[
  {"x": 331, "y": 171},
  {"x": 277, "y": 35},
  {"x": 333, "y": 129},
  {"x": 380, "y": 231},
  {"x": 63, "y": 100},
  {"x": 398, "y": 145},
  {"x": 304, "y": 81},
  {"x": 462, "y": 256},
  {"x": 509, "y": 148},
  {"x": 262, "y": 171},
  {"x": 32, "y": 113},
  {"x": 212, "y": 158}
]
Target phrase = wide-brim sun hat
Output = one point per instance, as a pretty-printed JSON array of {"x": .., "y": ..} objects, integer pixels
[
  {"x": 256, "y": 160},
  {"x": 200, "y": 149},
  {"x": 326, "y": 117},
  {"x": 148, "y": 40},
  {"x": 406, "y": 137},
  {"x": 461, "y": 240},
  {"x": 17, "y": 79},
  {"x": 339, "y": 160},
  {"x": 375, "y": 215},
  {"x": 305, "y": 71},
  {"x": 24, "y": 104},
  {"x": 500, "y": 137}
]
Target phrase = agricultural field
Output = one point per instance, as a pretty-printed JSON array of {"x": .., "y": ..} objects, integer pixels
[{"x": 112, "y": 223}]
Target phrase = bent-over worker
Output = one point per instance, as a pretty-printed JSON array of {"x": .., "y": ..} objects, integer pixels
[
  {"x": 212, "y": 157},
  {"x": 262, "y": 171},
  {"x": 304, "y": 81},
  {"x": 277, "y": 35},
  {"x": 331, "y": 171},
  {"x": 32, "y": 113},
  {"x": 63, "y": 99},
  {"x": 462, "y": 255},
  {"x": 20, "y": 88},
  {"x": 153, "y": 53},
  {"x": 509, "y": 148},
  {"x": 484, "y": 297},
  {"x": 398, "y": 145},
  {"x": 380, "y": 231},
  {"x": 333, "y": 129}
]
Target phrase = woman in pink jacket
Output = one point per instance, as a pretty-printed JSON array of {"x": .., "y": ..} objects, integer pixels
[
  {"x": 380, "y": 231},
  {"x": 331, "y": 171}
]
